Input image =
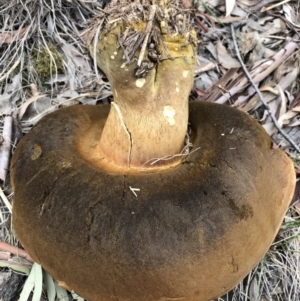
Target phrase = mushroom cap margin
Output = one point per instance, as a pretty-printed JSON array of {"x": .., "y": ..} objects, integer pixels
[{"x": 193, "y": 232}]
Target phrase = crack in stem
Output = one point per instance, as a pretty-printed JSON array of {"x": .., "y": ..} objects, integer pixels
[{"x": 117, "y": 108}]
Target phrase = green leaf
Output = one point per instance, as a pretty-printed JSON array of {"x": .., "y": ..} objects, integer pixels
[
  {"x": 30, "y": 282},
  {"x": 15, "y": 267},
  {"x": 62, "y": 294},
  {"x": 38, "y": 282},
  {"x": 76, "y": 297},
  {"x": 51, "y": 291}
]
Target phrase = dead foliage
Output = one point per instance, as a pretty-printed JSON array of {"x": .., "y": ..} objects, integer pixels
[{"x": 268, "y": 38}]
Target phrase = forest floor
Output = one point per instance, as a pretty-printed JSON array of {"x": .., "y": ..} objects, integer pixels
[{"x": 45, "y": 65}]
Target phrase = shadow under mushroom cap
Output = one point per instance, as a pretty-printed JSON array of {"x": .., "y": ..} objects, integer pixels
[{"x": 193, "y": 231}]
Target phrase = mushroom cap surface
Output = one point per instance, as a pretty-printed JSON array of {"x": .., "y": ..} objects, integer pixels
[{"x": 193, "y": 231}]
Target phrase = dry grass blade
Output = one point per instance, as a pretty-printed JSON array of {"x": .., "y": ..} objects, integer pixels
[
  {"x": 5, "y": 147},
  {"x": 43, "y": 43}
]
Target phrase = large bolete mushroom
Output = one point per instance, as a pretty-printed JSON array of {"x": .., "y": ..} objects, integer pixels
[{"x": 149, "y": 198}]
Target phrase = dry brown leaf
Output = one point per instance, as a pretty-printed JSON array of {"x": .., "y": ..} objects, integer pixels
[
  {"x": 37, "y": 107},
  {"x": 203, "y": 81},
  {"x": 297, "y": 205},
  {"x": 294, "y": 134},
  {"x": 243, "y": 98},
  {"x": 259, "y": 72},
  {"x": 15, "y": 88},
  {"x": 212, "y": 49},
  {"x": 269, "y": 89},
  {"x": 288, "y": 115},
  {"x": 239, "y": 12},
  {"x": 11, "y": 95},
  {"x": 274, "y": 108},
  {"x": 35, "y": 96},
  {"x": 186, "y": 3},
  {"x": 255, "y": 101},
  {"x": 296, "y": 109},
  {"x": 275, "y": 27},
  {"x": 254, "y": 25},
  {"x": 265, "y": 116},
  {"x": 68, "y": 94},
  {"x": 296, "y": 198},
  {"x": 252, "y": 46},
  {"x": 296, "y": 123},
  {"x": 229, "y": 19},
  {"x": 286, "y": 78},
  {"x": 248, "y": 2},
  {"x": 291, "y": 15},
  {"x": 8, "y": 37},
  {"x": 77, "y": 66},
  {"x": 226, "y": 60},
  {"x": 282, "y": 105},
  {"x": 270, "y": 128},
  {"x": 268, "y": 52},
  {"x": 265, "y": 20},
  {"x": 5, "y": 104}
]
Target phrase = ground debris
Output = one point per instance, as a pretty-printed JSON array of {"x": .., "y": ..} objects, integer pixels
[
  {"x": 262, "y": 29},
  {"x": 9, "y": 289}
]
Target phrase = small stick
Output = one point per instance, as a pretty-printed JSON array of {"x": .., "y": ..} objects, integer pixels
[
  {"x": 95, "y": 49},
  {"x": 5, "y": 247},
  {"x": 5, "y": 201},
  {"x": 152, "y": 11},
  {"x": 274, "y": 5},
  {"x": 133, "y": 190},
  {"x": 6, "y": 147},
  {"x": 123, "y": 48},
  {"x": 260, "y": 5},
  {"x": 286, "y": 136}
]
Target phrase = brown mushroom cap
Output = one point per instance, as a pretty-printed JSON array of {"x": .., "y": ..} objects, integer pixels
[{"x": 193, "y": 231}]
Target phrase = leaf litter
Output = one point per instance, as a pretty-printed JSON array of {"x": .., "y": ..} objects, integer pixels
[{"x": 58, "y": 32}]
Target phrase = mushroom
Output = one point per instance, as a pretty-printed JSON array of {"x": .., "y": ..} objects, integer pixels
[{"x": 151, "y": 197}]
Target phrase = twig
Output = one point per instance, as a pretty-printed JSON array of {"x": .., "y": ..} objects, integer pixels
[
  {"x": 136, "y": 46},
  {"x": 286, "y": 136},
  {"x": 95, "y": 49},
  {"x": 5, "y": 201},
  {"x": 260, "y": 5},
  {"x": 152, "y": 11},
  {"x": 123, "y": 48},
  {"x": 5, "y": 247},
  {"x": 204, "y": 68},
  {"x": 280, "y": 38},
  {"x": 133, "y": 190},
  {"x": 274, "y": 5},
  {"x": 5, "y": 147}
]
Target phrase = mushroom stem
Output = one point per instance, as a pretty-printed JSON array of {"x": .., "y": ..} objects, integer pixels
[{"x": 149, "y": 115}]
